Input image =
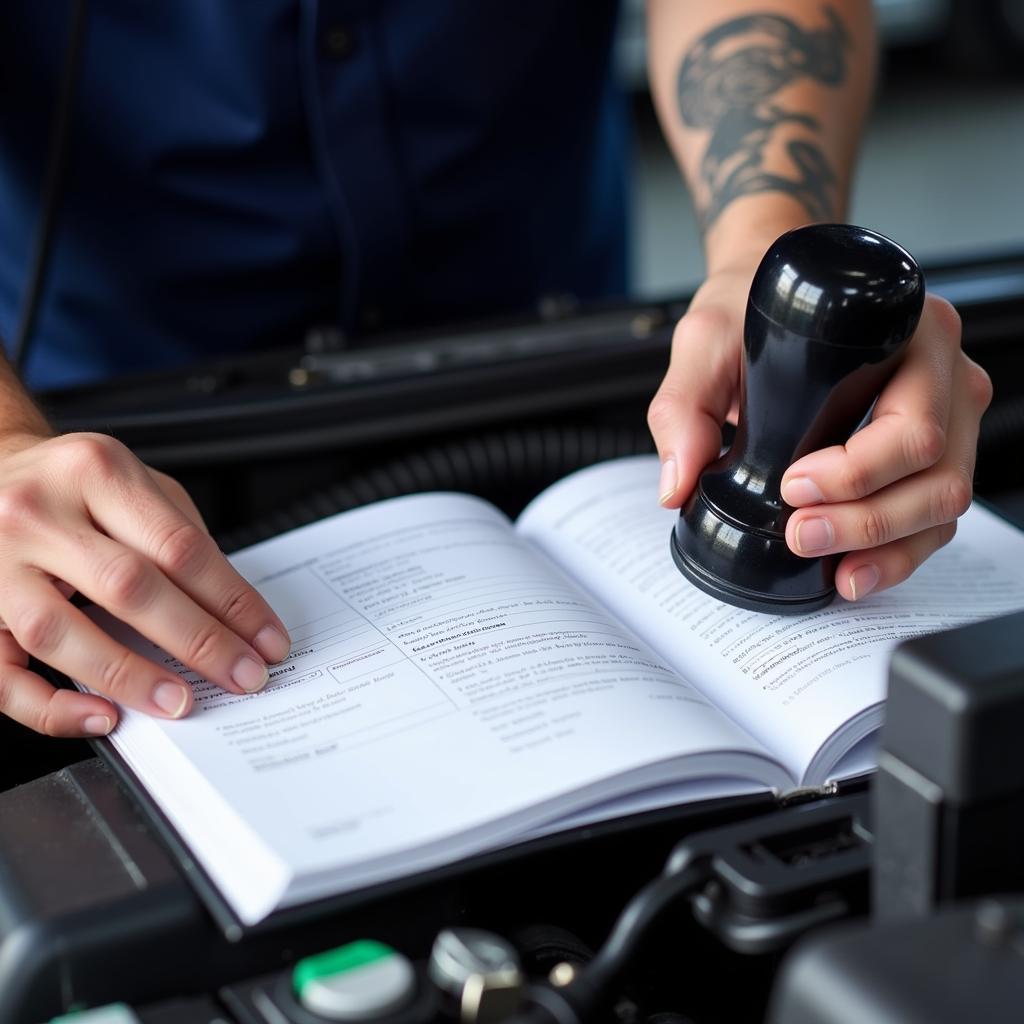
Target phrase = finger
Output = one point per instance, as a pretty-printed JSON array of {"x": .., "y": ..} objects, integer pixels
[
  {"x": 53, "y": 630},
  {"x": 930, "y": 498},
  {"x": 918, "y": 503},
  {"x": 908, "y": 427},
  {"x": 129, "y": 507},
  {"x": 133, "y": 589},
  {"x": 64, "y": 589},
  {"x": 10, "y": 651},
  {"x": 178, "y": 496},
  {"x": 687, "y": 412},
  {"x": 939, "y": 495},
  {"x": 33, "y": 702},
  {"x": 858, "y": 575}
]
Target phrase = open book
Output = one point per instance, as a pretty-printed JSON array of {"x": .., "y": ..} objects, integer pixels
[{"x": 459, "y": 683}]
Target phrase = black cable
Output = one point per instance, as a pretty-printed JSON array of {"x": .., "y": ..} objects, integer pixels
[
  {"x": 584, "y": 998},
  {"x": 53, "y": 187},
  {"x": 633, "y": 924}
]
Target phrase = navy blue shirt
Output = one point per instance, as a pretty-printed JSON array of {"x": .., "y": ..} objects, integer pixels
[{"x": 241, "y": 169}]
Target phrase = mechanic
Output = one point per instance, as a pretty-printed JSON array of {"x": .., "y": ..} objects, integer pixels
[{"x": 237, "y": 172}]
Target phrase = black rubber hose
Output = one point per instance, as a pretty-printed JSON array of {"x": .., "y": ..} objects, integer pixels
[
  {"x": 506, "y": 467},
  {"x": 510, "y": 466},
  {"x": 1003, "y": 425}
]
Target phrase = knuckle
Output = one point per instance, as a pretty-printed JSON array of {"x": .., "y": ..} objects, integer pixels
[
  {"x": 92, "y": 453},
  {"x": 952, "y": 497},
  {"x": 903, "y": 564},
  {"x": 124, "y": 580},
  {"x": 180, "y": 546},
  {"x": 979, "y": 385},
  {"x": 117, "y": 675},
  {"x": 201, "y": 645},
  {"x": 700, "y": 324},
  {"x": 946, "y": 316},
  {"x": 924, "y": 443},
  {"x": 34, "y": 714},
  {"x": 177, "y": 490},
  {"x": 20, "y": 504},
  {"x": 876, "y": 527},
  {"x": 37, "y": 628},
  {"x": 661, "y": 413},
  {"x": 45, "y": 718},
  {"x": 856, "y": 480},
  {"x": 38, "y": 715},
  {"x": 241, "y": 604}
]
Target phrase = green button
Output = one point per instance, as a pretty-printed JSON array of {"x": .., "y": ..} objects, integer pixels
[
  {"x": 362, "y": 979},
  {"x": 114, "y": 1013}
]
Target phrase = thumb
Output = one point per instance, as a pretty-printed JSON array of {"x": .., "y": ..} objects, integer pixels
[{"x": 699, "y": 390}]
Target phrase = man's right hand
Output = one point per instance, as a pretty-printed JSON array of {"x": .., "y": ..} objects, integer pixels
[{"x": 81, "y": 513}]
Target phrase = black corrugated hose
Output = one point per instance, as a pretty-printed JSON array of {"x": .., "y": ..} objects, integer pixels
[
  {"x": 507, "y": 467},
  {"x": 1003, "y": 425},
  {"x": 1000, "y": 468}
]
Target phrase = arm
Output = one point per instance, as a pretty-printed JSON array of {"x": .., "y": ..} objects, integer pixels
[
  {"x": 763, "y": 105},
  {"x": 80, "y": 513}
]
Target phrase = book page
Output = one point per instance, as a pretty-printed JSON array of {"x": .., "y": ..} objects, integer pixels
[
  {"x": 444, "y": 677},
  {"x": 810, "y": 687}
]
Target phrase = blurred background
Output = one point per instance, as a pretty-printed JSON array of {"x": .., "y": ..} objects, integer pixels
[{"x": 942, "y": 162}]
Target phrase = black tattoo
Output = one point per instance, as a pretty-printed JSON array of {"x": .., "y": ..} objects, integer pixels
[{"x": 726, "y": 85}]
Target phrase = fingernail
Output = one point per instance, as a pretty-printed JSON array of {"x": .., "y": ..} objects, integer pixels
[
  {"x": 864, "y": 580},
  {"x": 171, "y": 698},
  {"x": 249, "y": 674},
  {"x": 667, "y": 481},
  {"x": 814, "y": 535},
  {"x": 802, "y": 490},
  {"x": 272, "y": 644},
  {"x": 97, "y": 725}
]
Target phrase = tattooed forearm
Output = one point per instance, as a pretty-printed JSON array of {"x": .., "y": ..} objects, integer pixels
[{"x": 727, "y": 85}]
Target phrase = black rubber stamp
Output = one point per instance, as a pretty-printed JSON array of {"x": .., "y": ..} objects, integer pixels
[{"x": 830, "y": 312}]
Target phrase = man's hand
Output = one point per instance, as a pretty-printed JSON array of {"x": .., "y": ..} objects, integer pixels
[
  {"x": 81, "y": 513},
  {"x": 701, "y": 388},
  {"x": 891, "y": 495}
]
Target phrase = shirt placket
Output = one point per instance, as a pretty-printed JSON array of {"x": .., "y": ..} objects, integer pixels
[{"x": 351, "y": 124}]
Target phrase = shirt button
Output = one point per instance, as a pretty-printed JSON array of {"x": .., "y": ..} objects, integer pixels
[{"x": 339, "y": 42}]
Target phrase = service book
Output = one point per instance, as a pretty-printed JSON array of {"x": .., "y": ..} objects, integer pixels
[{"x": 459, "y": 683}]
